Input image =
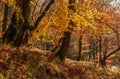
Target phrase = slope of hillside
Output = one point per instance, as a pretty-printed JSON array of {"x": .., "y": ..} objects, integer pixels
[{"x": 32, "y": 63}]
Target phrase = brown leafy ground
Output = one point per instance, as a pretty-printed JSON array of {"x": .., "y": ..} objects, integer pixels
[{"x": 33, "y": 63}]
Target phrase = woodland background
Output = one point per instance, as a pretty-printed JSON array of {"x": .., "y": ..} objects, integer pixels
[{"x": 56, "y": 38}]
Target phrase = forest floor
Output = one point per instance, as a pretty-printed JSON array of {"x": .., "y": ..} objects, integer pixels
[{"x": 33, "y": 63}]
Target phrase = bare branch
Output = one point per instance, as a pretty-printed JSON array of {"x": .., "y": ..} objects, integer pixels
[
  {"x": 118, "y": 49},
  {"x": 45, "y": 7}
]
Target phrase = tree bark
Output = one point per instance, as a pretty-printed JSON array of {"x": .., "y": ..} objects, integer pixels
[
  {"x": 61, "y": 53},
  {"x": 100, "y": 51},
  {"x": 4, "y": 25},
  {"x": 20, "y": 22},
  {"x": 45, "y": 7},
  {"x": 80, "y": 48},
  {"x": 9, "y": 34},
  {"x": 16, "y": 29}
]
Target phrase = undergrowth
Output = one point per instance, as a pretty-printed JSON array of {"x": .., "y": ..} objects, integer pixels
[{"x": 33, "y": 63}]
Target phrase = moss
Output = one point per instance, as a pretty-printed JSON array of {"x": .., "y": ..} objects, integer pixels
[{"x": 1, "y": 76}]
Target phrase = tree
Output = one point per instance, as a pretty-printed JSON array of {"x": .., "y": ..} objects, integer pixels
[
  {"x": 20, "y": 21},
  {"x": 4, "y": 25},
  {"x": 107, "y": 33},
  {"x": 65, "y": 40},
  {"x": 112, "y": 24}
]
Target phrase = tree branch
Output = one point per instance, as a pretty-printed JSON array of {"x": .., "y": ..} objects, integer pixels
[
  {"x": 45, "y": 7},
  {"x": 112, "y": 52}
]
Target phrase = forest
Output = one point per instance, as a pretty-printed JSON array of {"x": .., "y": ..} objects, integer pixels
[{"x": 59, "y": 39}]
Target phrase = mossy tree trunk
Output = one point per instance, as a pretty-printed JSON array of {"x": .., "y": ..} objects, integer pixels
[
  {"x": 20, "y": 18},
  {"x": 16, "y": 32}
]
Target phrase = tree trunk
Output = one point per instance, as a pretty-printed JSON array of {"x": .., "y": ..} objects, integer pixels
[
  {"x": 9, "y": 34},
  {"x": 25, "y": 12},
  {"x": 61, "y": 53},
  {"x": 20, "y": 22},
  {"x": 80, "y": 48},
  {"x": 102, "y": 62},
  {"x": 100, "y": 51},
  {"x": 19, "y": 37},
  {"x": 16, "y": 29},
  {"x": 4, "y": 25}
]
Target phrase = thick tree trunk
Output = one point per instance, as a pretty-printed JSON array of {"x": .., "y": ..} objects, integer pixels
[
  {"x": 61, "y": 53},
  {"x": 16, "y": 32},
  {"x": 24, "y": 5},
  {"x": 19, "y": 37},
  {"x": 9, "y": 35},
  {"x": 16, "y": 29}
]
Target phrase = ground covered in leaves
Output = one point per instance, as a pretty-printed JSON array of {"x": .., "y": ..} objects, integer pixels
[{"x": 32, "y": 63}]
